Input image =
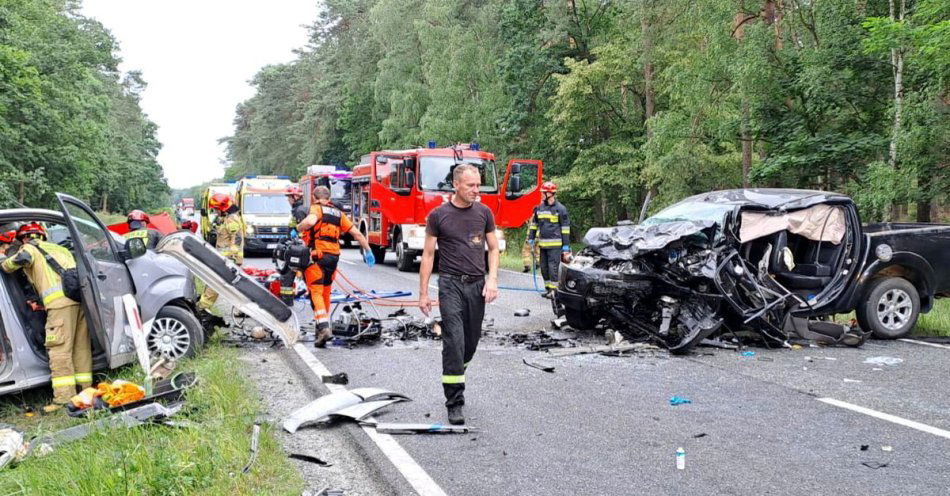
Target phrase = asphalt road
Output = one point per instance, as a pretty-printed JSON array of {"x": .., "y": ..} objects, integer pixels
[{"x": 762, "y": 424}]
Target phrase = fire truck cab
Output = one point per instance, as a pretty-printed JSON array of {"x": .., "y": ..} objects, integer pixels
[
  {"x": 338, "y": 181},
  {"x": 394, "y": 191}
]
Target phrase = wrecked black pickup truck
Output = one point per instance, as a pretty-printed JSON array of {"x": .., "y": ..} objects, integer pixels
[{"x": 773, "y": 262}]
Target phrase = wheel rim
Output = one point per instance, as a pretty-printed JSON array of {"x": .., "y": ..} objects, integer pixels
[
  {"x": 894, "y": 309},
  {"x": 399, "y": 249},
  {"x": 169, "y": 338}
]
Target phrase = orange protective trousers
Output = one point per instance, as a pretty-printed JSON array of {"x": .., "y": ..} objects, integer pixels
[{"x": 319, "y": 277}]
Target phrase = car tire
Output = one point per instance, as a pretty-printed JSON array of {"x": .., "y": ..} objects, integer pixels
[
  {"x": 890, "y": 309},
  {"x": 176, "y": 333},
  {"x": 579, "y": 320},
  {"x": 404, "y": 258}
]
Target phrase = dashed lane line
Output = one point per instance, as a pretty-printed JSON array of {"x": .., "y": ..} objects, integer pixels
[{"x": 417, "y": 477}]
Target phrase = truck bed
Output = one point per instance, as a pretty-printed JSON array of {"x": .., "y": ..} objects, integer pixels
[{"x": 929, "y": 241}]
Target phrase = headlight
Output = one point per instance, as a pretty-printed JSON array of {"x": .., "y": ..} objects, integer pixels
[{"x": 250, "y": 230}]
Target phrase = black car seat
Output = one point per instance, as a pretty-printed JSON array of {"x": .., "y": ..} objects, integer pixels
[{"x": 800, "y": 277}]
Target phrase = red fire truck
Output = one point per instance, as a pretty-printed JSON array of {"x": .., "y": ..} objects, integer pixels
[{"x": 394, "y": 190}]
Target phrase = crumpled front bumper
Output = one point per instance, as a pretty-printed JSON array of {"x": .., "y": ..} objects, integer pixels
[{"x": 586, "y": 288}]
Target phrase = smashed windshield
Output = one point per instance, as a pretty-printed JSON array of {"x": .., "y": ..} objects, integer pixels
[
  {"x": 265, "y": 204},
  {"x": 694, "y": 211},
  {"x": 435, "y": 173}
]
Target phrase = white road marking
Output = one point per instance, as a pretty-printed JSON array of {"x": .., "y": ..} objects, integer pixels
[
  {"x": 888, "y": 417},
  {"x": 935, "y": 345},
  {"x": 417, "y": 477},
  {"x": 347, "y": 262}
]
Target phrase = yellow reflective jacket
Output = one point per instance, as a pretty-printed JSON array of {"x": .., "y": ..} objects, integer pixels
[
  {"x": 230, "y": 242},
  {"x": 44, "y": 279}
]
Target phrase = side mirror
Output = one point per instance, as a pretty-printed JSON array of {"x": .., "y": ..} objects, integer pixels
[
  {"x": 380, "y": 159},
  {"x": 514, "y": 185},
  {"x": 135, "y": 247},
  {"x": 515, "y": 170}
]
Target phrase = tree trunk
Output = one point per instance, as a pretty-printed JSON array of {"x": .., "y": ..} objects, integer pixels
[
  {"x": 22, "y": 192},
  {"x": 923, "y": 211},
  {"x": 897, "y": 61},
  {"x": 649, "y": 96},
  {"x": 105, "y": 202},
  {"x": 746, "y": 144}
]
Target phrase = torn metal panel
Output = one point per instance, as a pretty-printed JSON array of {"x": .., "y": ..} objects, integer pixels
[
  {"x": 374, "y": 394},
  {"x": 362, "y": 410},
  {"x": 319, "y": 409},
  {"x": 126, "y": 419}
]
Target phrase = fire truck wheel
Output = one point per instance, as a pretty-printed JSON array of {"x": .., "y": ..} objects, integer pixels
[
  {"x": 404, "y": 257},
  {"x": 379, "y": 253}
]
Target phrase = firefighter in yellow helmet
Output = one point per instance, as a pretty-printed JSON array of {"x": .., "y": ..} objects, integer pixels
[
  {"x": 67, "y": 337},
  {"x": 138, "y": 228},
  {"x": 230, "y": 240}
]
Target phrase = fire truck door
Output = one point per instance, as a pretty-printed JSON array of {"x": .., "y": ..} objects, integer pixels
[
  {"x": 391, "y": 191},
  {"x": 521, "y": 192}
]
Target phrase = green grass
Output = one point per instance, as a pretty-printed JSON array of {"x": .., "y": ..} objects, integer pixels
[
  {"x": 936, "y": 322},
  {"x": 155, "y": 459}
]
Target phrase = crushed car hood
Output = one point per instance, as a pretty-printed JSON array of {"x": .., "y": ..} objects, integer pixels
[{"x": 627, "y": 242}]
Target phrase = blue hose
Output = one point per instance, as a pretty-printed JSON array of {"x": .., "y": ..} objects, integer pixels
[{"x": 534, "y": 278}]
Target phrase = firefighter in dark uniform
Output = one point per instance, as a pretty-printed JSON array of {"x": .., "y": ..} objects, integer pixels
[
  {"x": 138, "y": 228},
  {"x": 550, "y": 230},
  {"x": 298, "y": 212},
  {"x": 321, "y": 230},
  {"x": 463, "y": 229}
]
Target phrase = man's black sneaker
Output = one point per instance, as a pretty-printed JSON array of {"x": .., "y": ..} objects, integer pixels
[{"x": 455, "y": 415}]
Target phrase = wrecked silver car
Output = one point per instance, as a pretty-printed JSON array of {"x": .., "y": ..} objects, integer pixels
[{"x": 759, "y": 260}]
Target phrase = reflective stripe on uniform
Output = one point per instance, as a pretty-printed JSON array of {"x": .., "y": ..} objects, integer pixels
[
  {"x": 66, "y": 380},
  {"x": 53, "y": 294},
  {"x": 84, "y": 378},
  {"x": 453, "y": 379},
  {"x": 565, "y": 230},
  {"x": 465, "y": 365},
  {"x": 550, "y": 217},
  {"x": 549, "y": 285},
  {"x": 547, "y": 243}
]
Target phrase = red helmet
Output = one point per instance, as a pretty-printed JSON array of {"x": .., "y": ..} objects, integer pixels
[
  {"x": 138, "y": 216},
  {"x": 220, "y": 202},
  {"x": 7, "y": 237},
  {"x": 548, "y": 187},
  {"x": 293, "y": 190},
  {"x": 31, "y": 229}
]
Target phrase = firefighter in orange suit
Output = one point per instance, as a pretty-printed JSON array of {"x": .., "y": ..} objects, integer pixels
[
  {"x": 321, "y": 231},
  {"x": 67, "y": 337}
]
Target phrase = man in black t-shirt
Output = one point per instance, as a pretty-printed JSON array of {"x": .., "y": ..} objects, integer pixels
[{"x": 461, "y": 227}]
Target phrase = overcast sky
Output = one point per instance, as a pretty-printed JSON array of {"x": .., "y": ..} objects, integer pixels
[{"x": 197, "y": 56}]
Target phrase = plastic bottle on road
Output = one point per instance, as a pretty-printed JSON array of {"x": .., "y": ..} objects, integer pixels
[{"x": 680, "y": 459}]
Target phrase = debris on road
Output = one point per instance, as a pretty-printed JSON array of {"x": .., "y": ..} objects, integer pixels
[
  {"x": 545, "y": 368},
  {"x": 340, "y": 378},
  {"x": 701, "y": 434},
  {"x": 130, "y": 418},
  {"x": 677, "y": 400},
  {"x": 884, "y": 360},
  {"x": 333, "y": 403},
  {"x": 748, "y": 353},
  {"x": 851, "y": 380},
  {"x": 887, "y": 448},
  {"x": 309, "y": 459},
  {"x": 255, "y": 441},
  {"x": 522, "y": 312},
  {"x": 393, "y": 428},
  {"x": 638, "y": 348},
  {"x": 680, "y": 459},
  {"x": 874, "y": 465}
]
